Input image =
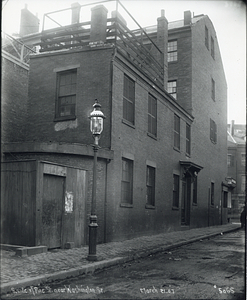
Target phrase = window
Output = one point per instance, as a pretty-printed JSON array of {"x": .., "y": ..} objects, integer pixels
[
  {"x": 213, "y": 131},
  {"x": 188, "y": 139},
  {"x": 213, "y": 89},
  {"x": 206, "y": 37},
  {"x": 172, "y": 51},
  {"x": 152, "y": 115},
  {"x": 230, "y": 160},
  {"x": 172, "y": 88},
  {"x": 212, "y": 47},
  {"x": 243, "y": 183},
  {"x": 243, "y": 159},
  {"x": 176, "y": 132},
  {"x": 129, "y": 100},
  {"x": 150, "y": 186},
  {"x": 212, "y": 194},
  {"x": 127, "y": 181},
  {"x": 66, "y": 94},
  {"x": 175, "y": 202},
  {"x": 195, "y": 191}
]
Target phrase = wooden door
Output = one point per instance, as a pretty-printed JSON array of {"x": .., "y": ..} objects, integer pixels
[
  {"x": 185, "y": 205},
  {"x": 53, "y": 203}
]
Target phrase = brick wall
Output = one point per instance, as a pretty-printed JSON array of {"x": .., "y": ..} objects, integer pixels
[
  {"x": 93, "y": 81},
  {"x": 126, "y": 222},
  {"x": 196, "y": 89},
  {"x": 14, "y": 100}
]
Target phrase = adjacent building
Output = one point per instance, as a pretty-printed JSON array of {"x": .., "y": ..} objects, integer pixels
[
  {"x": 236, "y": 162},
  {"x": 162, "y": 165}
]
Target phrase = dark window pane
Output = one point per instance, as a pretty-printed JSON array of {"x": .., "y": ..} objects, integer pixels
[
  {"x": 176, "y": 132},
  {"x": 150, "y": 186},
  {"x": 66, "y": 91},
  {"x": 127, "y": 181},
  {"x": 129, "y": 99}
]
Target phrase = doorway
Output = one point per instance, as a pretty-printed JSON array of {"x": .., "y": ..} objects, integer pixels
[
  {"x": 53, "y": 198},
  {"x": 185, "y": 205}
]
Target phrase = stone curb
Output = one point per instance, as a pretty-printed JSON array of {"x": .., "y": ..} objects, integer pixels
[{"x": 92, "y": 267}]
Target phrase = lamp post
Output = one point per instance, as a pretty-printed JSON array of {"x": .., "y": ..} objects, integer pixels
[{"x": 96, "y": 126}]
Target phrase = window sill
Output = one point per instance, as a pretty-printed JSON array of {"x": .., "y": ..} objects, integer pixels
[
  {"x": 126, "y": 205},
  {"x": 176, "y": 149},
  {"x": 128, "y": 123},
  {"x": 172, "y": 62},
  {"x": 175, "y": 208},
  {"x": 149, "y": 206},
  {"x": 61, "y": 119},
  {"x": 194, "y": 204},
  {"x": 152, "y": 136}
]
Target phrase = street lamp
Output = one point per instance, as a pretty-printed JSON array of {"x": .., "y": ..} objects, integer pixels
[{"x": 96, "y": 126}]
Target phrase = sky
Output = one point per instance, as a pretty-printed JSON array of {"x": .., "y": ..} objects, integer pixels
[{"x": 228, "y": 18}]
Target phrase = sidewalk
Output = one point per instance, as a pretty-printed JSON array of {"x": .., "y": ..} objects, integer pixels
[{"x": 18, "y": 272}]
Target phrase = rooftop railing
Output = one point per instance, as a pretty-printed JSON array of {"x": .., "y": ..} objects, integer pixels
[
  {"x": 16, "y": 49},
  {"x": 134, "y": 44}
]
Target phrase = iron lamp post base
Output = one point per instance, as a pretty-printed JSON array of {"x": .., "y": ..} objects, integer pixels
[{"x": 92, "y": 238}]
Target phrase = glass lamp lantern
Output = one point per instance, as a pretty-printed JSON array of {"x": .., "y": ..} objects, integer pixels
[{"x": 96, "y": 120}]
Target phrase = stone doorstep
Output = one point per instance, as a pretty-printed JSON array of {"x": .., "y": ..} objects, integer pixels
[{"x": 26, "y": 251}]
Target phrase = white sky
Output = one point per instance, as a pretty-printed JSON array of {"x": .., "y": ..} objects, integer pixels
[{"x": 228, "y": 18}]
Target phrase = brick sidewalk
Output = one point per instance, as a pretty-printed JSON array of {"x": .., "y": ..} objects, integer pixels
[{"x": 20, "y": 271}]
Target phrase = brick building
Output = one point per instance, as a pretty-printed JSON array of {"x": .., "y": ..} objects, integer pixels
[
  {"x": 162, "y": 165},
  {"x": 236, "y": 162}
]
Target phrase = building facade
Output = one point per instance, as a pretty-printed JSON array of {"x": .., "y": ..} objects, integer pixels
[
  {"x": 236, "y": 162},
  {"x": 162, "y": 165}
]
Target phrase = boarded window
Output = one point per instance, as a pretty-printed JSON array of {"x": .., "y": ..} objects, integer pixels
[
  {"x": 127, "y": 181},
  {"x": 152, "y": 115},
  {"x": 66, "y": 94},
  {"x": 150, "y": 186},
  {"x": 129, "y": 100}
]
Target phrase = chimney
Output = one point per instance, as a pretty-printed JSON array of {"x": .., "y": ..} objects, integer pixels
[
  {"x": 232, "y": 128},
  {"x": 162, "y": 43},
  {"x": 187, "y": 17},
  {"x": 29, "y": 22},
  {"x": 75, "y": 13},
  {"x": 98, "y": 24}
]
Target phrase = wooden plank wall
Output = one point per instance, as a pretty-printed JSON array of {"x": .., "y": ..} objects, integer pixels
[{"x": 18, "y": 202}]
